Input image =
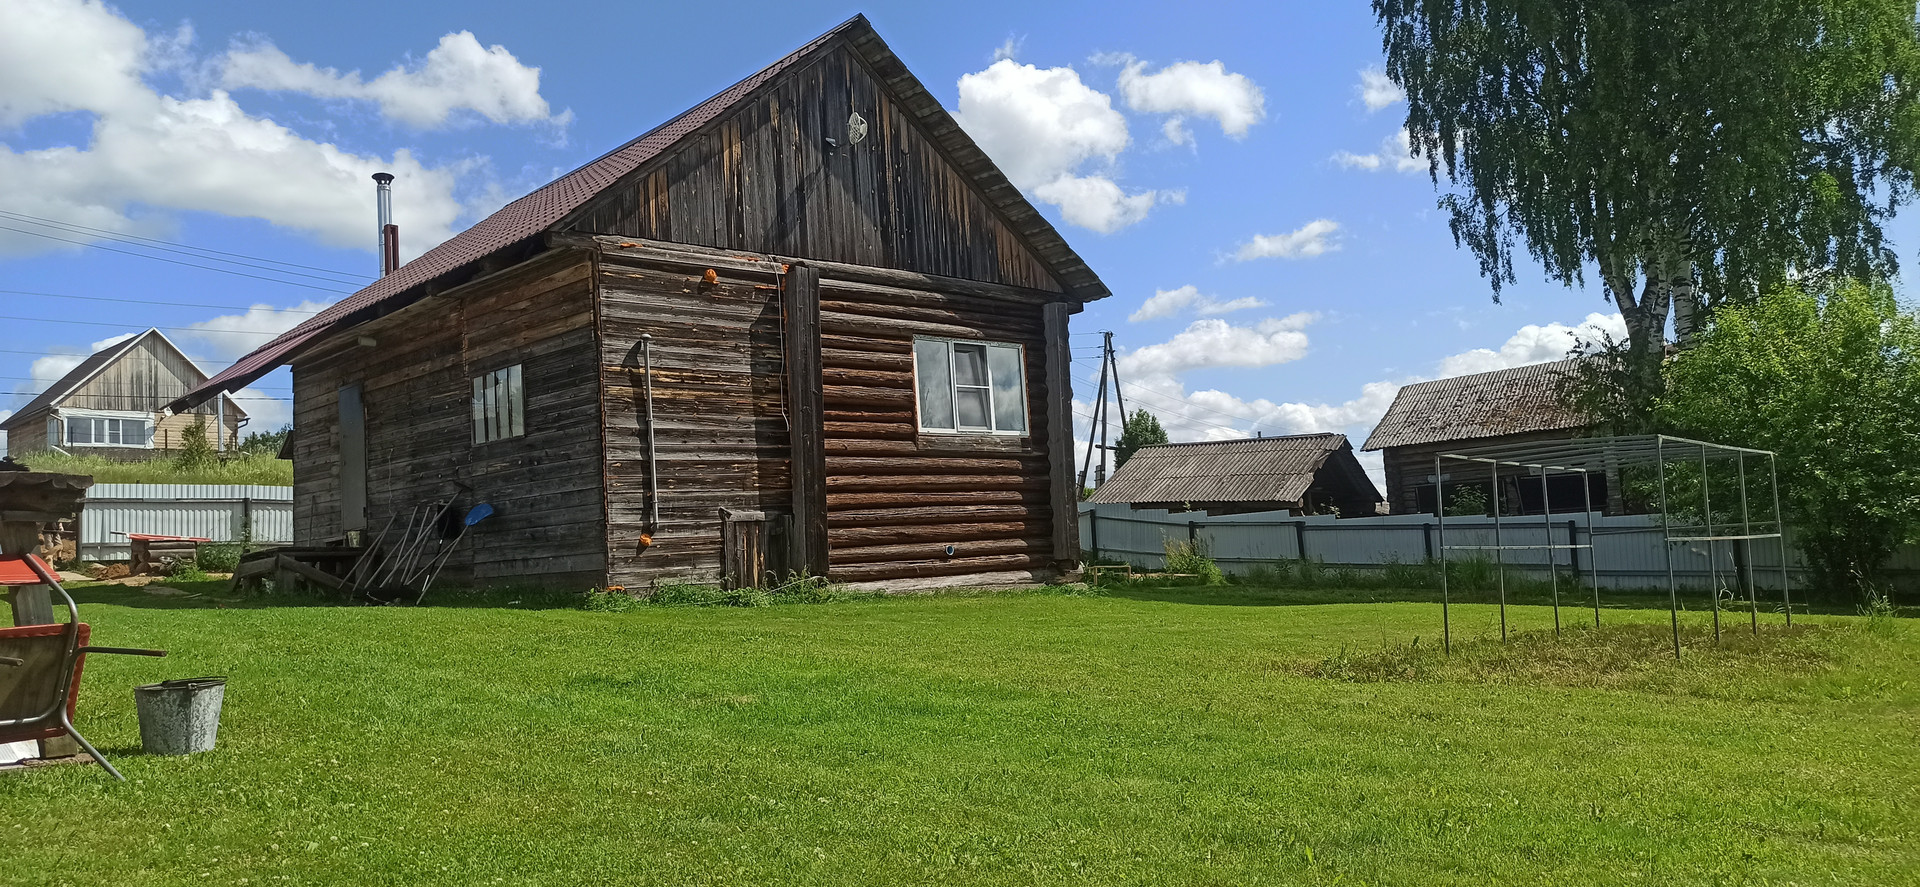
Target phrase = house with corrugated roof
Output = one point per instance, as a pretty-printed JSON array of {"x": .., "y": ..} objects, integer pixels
[
  {"x": 112, "y": 404},
  {"x": 805, "y": 326},
  {"x": 1299, "y": 473},
  {"x": 1515, "y": 405}
]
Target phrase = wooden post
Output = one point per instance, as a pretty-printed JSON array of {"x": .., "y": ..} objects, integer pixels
[
  {"x": 806, "y": 414},
  {"x": 1064, "y": 492}
]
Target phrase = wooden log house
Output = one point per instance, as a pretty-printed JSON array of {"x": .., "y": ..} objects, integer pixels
[{"x": 849, "y": 327}]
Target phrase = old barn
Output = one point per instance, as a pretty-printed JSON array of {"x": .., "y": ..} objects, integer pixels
[{"x": 849, "y": 330}]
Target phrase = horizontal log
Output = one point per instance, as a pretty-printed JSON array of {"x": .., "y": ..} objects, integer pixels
[
  {"x": 907, "y": 483},
  {"x": 871, "y": 442},
  {"x": 855, "y": 501},
  {"x": 958, "y": 566},
  {"x": 1003, "y": 579},
  {"x": 921, "y": 300},
  {"x": 847, "y": 358},
  {"x": 869, "y": 378},
  {"x": 928, "y": 551},
  {"x": 842, "y": 432},
  {"x": 991, "y": 324},
  {"x": 870, "y": 414},
  {"x": 858, "y": 536},
  {"x": 936, "y": 464},
  {"x": 838, "y": 322},
  {"x": 866, "y": 397},
  {"x": 932, "y": 515},
  {"x": 900, "y": 345}
]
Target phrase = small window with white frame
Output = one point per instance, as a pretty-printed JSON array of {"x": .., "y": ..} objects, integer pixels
[
  {"x": 970, "y": 387},
  {"x": 499, "y": 405}
]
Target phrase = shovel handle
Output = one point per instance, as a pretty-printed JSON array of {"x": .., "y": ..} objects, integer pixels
[{"x": 124, "y": 651}]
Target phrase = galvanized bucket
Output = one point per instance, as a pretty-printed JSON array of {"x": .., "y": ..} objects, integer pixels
[{"x": 179, "y": 717}]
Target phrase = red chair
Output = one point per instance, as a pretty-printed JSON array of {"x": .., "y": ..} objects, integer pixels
[{"x": 40, "y": 666}]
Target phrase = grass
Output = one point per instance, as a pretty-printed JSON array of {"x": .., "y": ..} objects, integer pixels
[
  {"x": 252, "y": 468},
  {"x": 1152, "y": 736}
]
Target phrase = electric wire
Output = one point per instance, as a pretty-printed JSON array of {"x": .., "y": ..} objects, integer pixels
[
  {"x": 153, "y": 302},
  {"x": 123, "y": 236},
  {"x": 184, "y": 249},
  {"x": 187, "y": 264}
]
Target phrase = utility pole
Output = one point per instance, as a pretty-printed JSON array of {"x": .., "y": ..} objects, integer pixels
[{"x": 1102, "y": 416}]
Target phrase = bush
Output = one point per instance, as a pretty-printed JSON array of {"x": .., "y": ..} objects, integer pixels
[
  {"x": 218, "y": 557},
  {"x": 1191, "y": 558},
  {"x": 185, "y": 571}
]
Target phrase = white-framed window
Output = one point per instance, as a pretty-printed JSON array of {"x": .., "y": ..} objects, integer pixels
[
  {"x": 109, "y": 431},
  {"x": 499, "y": 405},
  {"x": 970, "y": 387}
]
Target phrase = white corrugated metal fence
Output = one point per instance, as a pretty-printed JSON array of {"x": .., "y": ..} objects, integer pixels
[
  {"x": 221, "y": 512},
  {"x": 1626, "y": 548}
]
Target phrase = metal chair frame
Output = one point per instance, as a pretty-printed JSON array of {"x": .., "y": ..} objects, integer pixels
[{"x": 58, "y": 710}]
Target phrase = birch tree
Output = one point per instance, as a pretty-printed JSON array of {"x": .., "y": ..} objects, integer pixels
[{"x": 1684, "y": 152}]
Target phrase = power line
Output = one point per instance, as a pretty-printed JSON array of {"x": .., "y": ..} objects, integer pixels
[
  {"x": 178, "y": 262},
  {"x": 153, "y": 302},
  {"x": 129, "y": 238},
  {"x": 178, "y": 329}
]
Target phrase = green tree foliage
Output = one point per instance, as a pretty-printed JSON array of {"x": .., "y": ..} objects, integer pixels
[
  {"x": 265, "y": 442},
  {"x": 1829, "y": 378},
  {"x": 1141, "y": 430},
  {"x": 1679, "y": 148},
  {"x": 196, "y": 450}
]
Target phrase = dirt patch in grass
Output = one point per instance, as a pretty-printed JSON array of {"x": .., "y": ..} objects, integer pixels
[{"x": 1627, "y": 656}]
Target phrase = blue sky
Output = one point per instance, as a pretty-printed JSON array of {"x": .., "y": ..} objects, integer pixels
[{"x": 1229, "y": 148}]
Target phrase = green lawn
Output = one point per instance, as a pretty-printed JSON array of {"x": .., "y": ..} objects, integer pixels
[{"x": 1156, "y": 737}]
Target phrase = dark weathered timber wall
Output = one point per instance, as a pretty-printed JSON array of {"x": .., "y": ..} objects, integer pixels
[
  {"x": 763, "y": 179},
  {"x": 1408, "y": 467},
  {"x": 896, "y": 497},
  {"x": 416, "y": 382},
  {"x": 720, "y": 428}
]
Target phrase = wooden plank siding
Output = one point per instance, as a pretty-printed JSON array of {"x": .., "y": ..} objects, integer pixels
[
  {"x": 763, "y": 179},
  {"x": 897, "y": 497},
  {"x": 1408, "y": 468},
  {"x": 720, "y": 419},
  {"x": 416, "y": 383}
]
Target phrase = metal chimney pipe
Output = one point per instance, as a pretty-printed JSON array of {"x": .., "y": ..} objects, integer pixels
[{"x": 389, "y": 234}]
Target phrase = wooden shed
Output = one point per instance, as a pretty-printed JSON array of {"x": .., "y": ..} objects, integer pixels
[
  {"x": 1299, "y": 473},
  {"x": 110, "y": 405},
  {"x": 1510, "y": 406},
  {"x": 857, "y": 333}
]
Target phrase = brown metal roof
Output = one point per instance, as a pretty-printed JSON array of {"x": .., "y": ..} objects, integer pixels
[
  {"x": 547, "y": 206},
  {"x": 1495, "y": 404},
  {"x": 1260, "y": 469}
]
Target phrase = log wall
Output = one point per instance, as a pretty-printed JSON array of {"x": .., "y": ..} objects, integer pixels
[
  {"x": 416, "y": 383},
  {"x": 896, "y": 497}
]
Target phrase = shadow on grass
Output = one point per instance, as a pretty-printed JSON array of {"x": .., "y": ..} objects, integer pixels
[
  {"x": 1570, "y": 599},
  {"x": 214, "y": 594}
]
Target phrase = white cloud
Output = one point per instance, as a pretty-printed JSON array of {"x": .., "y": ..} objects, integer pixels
[
  {"x": 171, "y": 153},
  {"x": 229, "y": 337},
  {"x": 457, "y": 75},
  {"x": 1197, "y": 89},
  {"x": 1304, "y": 242},
  {"x": 1096, "y": 203},
  {"x": 1378, "y": 90},
  {"x": 1213, "y": 342},
  {"x": 1009, "y": 49},
  {"x": 1176, "y": 131},
  {"x": 1533, "y": 344},
  {"x": 1395, "y": 153},
  {"x": 1167, "y": 303},
  {"x": 1041, "y": 126}
]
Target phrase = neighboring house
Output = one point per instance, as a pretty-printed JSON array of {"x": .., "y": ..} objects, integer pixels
[
  {"x": 1498, "y": 408},
  {"x": 1301, "y": 473},
  {"x": 113, "y": 405},
  {"x": 858, "y": 330}
]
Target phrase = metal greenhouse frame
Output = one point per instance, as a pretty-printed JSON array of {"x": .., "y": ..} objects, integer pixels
[{"x": 1583, "y": 457}]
